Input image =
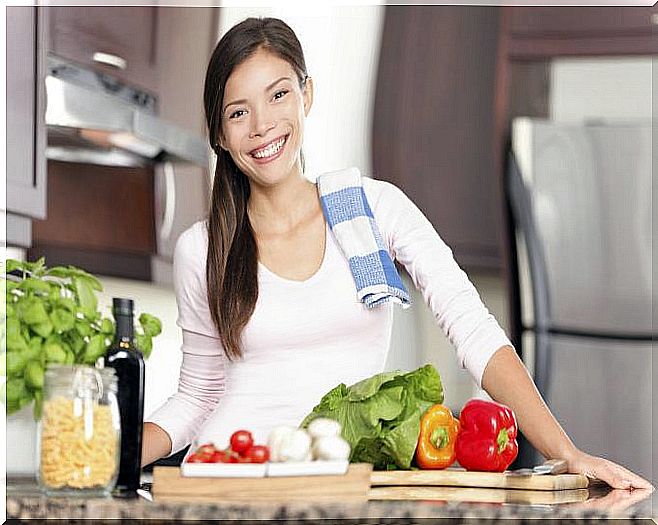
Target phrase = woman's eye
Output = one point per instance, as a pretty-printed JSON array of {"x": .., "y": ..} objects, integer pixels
[
  {"x": 280, "y": 94},
  {"x": 237, "y": 114}
]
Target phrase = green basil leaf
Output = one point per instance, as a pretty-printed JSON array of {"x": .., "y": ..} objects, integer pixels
[
  {"x": 15, "y": 340},
  {"x": 62, "y": 320},
  {"x": 107, "y": 326},
  {"x": 13, "y": 265},
  {"x": 15, "y": 363},
  {"x": 33, "y": 374},
  {"x": 31, "y": 284},
  {"x": 95, "y": 348},
  {"x": 68, "y": 303},
  {"x": 58, "y": 271},
  {"x": 144, "y": 344},
  {"x": 31, "y": 311},
  {"x": 54, "y": 353},
  {"x": 86, "y": 297},
  {"x": 82, "y": 327},
  {"x": 43, "y": 329},
  {"x": 94, "y": 283},
  {"x": 15, "y": 389},
  {"x": 151, "y": 325},
  {"x": 75, "y": 341},
  {"x": 34, "y": 348}
]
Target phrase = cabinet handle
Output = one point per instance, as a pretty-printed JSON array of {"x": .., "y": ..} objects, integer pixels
[
  {"x": 170, "y": 201},
  {"x": 110, "y": 60}
]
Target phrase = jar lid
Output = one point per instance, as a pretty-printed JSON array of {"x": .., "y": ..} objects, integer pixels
[{"x": 84, "y": 380}]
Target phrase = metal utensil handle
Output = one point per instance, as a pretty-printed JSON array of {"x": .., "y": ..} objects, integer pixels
[
  {"x": 110, "y": 60},
  {"x": 556, "y": 466}
]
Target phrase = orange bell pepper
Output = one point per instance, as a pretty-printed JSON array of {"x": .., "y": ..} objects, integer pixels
[{"x": 436, "y": 442}]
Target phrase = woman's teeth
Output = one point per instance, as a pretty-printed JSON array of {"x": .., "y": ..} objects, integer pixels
[{"x": 270, "y": 150}]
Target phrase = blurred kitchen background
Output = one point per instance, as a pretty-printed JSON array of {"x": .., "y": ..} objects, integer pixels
[{"x": 107, "y": 164}]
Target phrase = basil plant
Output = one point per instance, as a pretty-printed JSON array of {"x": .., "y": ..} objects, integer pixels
[{"x": 52, "y": 316}]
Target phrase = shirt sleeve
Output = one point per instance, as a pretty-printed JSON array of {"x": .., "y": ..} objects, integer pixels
[
  {"x": 454, "y": 301},
  {"x": 202, "y": 377}
]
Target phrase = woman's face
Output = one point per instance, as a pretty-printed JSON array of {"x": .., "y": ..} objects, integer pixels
[{"x": 263, "y": 115}]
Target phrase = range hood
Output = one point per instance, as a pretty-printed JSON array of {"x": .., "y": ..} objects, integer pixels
[{"x": 93, "y": 118}]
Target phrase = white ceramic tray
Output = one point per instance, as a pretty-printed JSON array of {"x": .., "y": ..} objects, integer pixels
[
  {"x": 224, "y": 470},
  {"x": 260, "y": 470}
]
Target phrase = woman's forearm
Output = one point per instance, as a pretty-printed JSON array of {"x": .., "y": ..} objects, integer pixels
[
  {"x": 156, "y": 443},
  {"x": 507, "y": 381}
]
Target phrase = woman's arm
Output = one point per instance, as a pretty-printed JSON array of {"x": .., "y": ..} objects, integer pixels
[
  {"x": 507, "y": 381},
  {"x": 156, "y": 443},
  {"x": 200, "y": 386}
]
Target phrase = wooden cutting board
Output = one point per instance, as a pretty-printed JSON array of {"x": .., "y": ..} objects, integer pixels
[
  {"x": 170, "y": 485},
  {"x": 456, "y": 477},
  {"x": 479, "y": 495}
]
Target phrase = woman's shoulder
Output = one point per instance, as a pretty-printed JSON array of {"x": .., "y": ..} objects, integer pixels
[
  {"x": 192, "y": 245},
  {"x": 381, "y": 194},
  {"x": 194, "y": 238}
]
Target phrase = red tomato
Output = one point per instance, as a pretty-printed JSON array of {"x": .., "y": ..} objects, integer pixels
[
  {"x": 208, "y": 448},
  {"x": 241, "y": 441},
  {"x": 258, "y": 454},
  {"x": 221, "y": 456},
  {"x": 196, "y": 458}
]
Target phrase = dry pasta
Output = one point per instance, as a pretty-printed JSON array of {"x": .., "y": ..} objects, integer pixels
[{"x": 78, "y": 444}]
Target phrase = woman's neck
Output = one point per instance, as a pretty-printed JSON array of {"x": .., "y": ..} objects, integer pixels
[{"x": 281, "y": 208}]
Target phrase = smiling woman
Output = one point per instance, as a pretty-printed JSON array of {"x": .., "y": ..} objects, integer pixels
[{"x": 287, "y": 289}]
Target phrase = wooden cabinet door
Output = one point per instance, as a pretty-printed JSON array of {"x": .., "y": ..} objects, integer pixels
[
  {"x": 433, "y": 133},
  {"x": 26, "y": 138},
  {"x": 537, "y": 32},
  {"x": 99, "y": 36}
]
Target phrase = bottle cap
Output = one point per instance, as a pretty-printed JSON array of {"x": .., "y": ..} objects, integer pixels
[{"x": 121, "y": 306}]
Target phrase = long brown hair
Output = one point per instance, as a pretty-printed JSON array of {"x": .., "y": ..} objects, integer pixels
[{"x": 232, "y": 264}]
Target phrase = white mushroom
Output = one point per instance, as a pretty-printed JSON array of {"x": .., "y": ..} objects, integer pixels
[
  {"x": 331, "y": 448},
  {"x": 289, "y": 444},
  {"x": 322, "y": 427}
]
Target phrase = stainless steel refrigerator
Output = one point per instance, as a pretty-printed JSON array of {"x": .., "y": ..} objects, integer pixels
[{"x": 580, "y": 198}]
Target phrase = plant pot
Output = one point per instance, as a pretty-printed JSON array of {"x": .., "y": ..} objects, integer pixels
[{"x": 22, "y": 443}]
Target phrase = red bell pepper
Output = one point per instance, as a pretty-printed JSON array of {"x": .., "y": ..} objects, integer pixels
[{"x": 487, "y": 436}]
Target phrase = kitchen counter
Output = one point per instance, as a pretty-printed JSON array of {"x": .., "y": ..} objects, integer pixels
[{"x": 24, "y": 501}]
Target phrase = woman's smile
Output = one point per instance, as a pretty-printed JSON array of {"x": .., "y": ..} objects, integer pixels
[{"x": 270, "y": 151}]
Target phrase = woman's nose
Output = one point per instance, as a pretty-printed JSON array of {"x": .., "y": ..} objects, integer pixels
[{"x": 261, "y": 125}]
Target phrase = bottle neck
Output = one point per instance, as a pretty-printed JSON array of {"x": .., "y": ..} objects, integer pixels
[{"x": 124, "y": 330}]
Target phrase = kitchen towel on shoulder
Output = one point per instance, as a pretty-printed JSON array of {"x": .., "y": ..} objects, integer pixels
[{"x": 353, "y": 224}]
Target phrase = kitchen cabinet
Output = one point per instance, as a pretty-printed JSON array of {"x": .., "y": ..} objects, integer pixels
[
  {"x": 99, "y": 218},
  {"x": 433, "y": 125},
  {"x": 537, "y": 32},
  {"x": 120, "y": 41},
  {"x": 125, "y": 221},
  {"x": 26, "y": 140}
]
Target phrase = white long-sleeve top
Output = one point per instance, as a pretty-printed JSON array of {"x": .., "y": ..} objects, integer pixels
[{"x": 306, "y": 337}]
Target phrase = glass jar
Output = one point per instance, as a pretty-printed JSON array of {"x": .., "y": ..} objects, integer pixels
[{"x": 79, "y": 431}]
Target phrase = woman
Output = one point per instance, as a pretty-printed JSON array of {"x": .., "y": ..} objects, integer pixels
[{"x": 269, "y": 317}]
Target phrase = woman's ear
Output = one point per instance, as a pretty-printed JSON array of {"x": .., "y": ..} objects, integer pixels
[
  {"x": 308, "y": 95},
  {"x": 220, "y": 141}
]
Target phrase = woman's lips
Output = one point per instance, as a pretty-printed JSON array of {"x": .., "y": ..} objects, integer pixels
[{"x": 272, "y": 145}]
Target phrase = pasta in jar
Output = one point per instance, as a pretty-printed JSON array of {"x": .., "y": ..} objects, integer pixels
[{"x": 79, "y": 431}]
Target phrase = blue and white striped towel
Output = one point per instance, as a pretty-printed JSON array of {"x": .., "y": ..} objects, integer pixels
[{"x": 351, "y": 220}]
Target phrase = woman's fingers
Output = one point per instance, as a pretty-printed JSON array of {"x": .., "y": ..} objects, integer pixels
[{"x": 613, "y": 474}]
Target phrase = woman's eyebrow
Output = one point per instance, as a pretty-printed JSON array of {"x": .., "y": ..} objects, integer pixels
[{"x": 243, "y": 100}]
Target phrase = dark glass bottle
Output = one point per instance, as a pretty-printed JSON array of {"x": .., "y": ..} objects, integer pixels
[{"x": 128, "y": 363}]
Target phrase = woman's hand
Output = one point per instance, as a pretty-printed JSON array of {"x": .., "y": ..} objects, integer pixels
[{"x": 614, "y": 475}]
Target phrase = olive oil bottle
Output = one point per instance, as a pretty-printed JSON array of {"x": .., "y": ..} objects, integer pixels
[{"x": 128, "y": 363}]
